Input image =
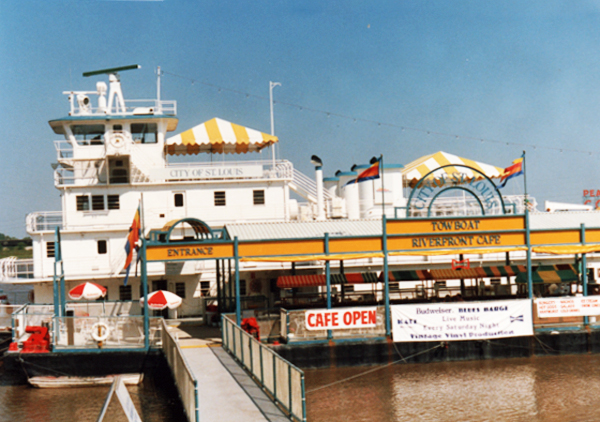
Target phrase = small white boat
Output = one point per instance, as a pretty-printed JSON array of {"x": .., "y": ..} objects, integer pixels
[{"x": 65, "y": 382}]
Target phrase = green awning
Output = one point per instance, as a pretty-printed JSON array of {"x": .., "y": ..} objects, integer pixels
[{"x": 563, "y": 273}]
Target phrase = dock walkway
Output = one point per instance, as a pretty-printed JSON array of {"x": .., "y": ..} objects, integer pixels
[{"x": 225, "y": 391}]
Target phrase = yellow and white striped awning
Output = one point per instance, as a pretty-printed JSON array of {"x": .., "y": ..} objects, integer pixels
[
  {"x": 219, "y": 136},
  {"x": 416, "y": 170}
]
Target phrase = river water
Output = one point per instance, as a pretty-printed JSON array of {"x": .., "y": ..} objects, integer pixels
[
  {"x": 20, "y": 402},
  {"x": 551, "y": 388}
]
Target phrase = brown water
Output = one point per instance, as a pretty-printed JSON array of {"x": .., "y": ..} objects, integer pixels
[
  {"x": 553, "y": 388},
  {"x": 25, "y": 403}
]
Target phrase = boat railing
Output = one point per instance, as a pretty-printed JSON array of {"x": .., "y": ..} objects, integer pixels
[
  {"x": 12, "y": 267},
  {"x": 6, "y": 312},
  {"x": 84, "y": 332},
  {"x": 283, "y": 381},
  {"x": 30, "y": 315},
  {"x": 185, "y": 381},
  {"x": 44, "y": 221},
  {"x": 132, "y": 107}
]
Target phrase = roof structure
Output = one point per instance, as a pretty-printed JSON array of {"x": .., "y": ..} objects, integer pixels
[
  {"x": 303, "y": 230},
  {"x": 218, "y": 136}
]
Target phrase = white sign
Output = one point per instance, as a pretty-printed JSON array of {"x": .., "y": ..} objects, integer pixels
[
  {"x": 568, "y": 306},
  {"x": 339, "y": 319},
  {"x": 126, "y": 403},
  {"x": 212, "y": 172},
  {"x": 462, "y": 320}
]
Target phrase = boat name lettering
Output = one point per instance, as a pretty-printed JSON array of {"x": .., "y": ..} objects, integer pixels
[
  {"x": 212, "y": 172},
  {"x": 183, "y": 252}
]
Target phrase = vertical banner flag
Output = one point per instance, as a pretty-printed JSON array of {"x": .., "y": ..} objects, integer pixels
[
  {"x": 514, "y": 170},
  {"x": 132, "y": 239},
  {"x": 369, "y": 174}
]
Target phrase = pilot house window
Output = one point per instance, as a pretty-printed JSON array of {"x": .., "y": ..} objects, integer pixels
[
  {"x": 83, "y": 203},
  {"x": 97, "y": 202},
  {"x": 145, "y": 133}
]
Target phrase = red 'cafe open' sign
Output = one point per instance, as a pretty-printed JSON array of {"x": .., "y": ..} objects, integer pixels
[{"x": 336, "y": 319}]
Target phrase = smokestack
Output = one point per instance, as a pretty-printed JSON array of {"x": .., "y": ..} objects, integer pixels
[{"x": 319, "y": 179}]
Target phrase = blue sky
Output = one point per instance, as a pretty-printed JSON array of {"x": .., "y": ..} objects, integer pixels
[{"x": 483, "y": 80}]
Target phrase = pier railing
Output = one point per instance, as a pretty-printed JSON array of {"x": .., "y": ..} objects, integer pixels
[
  {"x": 185, "y": 381},
  {"x": 283, "y": 381}
]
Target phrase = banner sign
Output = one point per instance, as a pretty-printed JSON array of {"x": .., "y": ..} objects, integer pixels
[
  {"x": 462, "y": 321},
  {"x": 344, "y": 318},
  {"x": 568, "y": 306}
]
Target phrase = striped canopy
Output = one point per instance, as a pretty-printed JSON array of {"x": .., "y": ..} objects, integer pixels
[
  {"x": 290, "y": 281},
  {"x": 219, "y": 136},
  {"x": 416, "y": 170},
  {"x": 561, "y": 273},
  {"x": 450, "y": 274}
]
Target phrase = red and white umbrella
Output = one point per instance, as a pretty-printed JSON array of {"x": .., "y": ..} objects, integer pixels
[
  {"x": 162, "y": 299},
  {"x": 89, "y": 291}
]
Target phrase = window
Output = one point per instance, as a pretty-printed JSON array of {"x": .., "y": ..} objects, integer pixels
[
  {"x": 180, "y": 290},
  {"x": 146, "y": 133},
  {"x": 220, "y": 199},
  {"x": 83, "y": 203},
  {"x": 125, "y": 292},
  {"x": 97, "y": 202},
  {"x": 50, "y": 252},
  {"x": 88, "y": 134},
  {"x": 394, "y": 287},
  {"x": 178, "y": 198},
  {"x": 102, "y": 247},
  {"x": 113, "y": 202},
  {"x": 242, "y": 287},
  {"x": 205, "y": 288},
  {"x": 259, "y": 197}
]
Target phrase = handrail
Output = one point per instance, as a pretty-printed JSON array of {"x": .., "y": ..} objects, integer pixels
[
  {"x": 282, "y": 380},
  {"x": 186, "y": 382}
]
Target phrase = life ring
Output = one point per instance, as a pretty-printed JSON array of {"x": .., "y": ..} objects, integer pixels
[
  {"x": 117, "y": 141},
  {"x": 100, "y": 331}
]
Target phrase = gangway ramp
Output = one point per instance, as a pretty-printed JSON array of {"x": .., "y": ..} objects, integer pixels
[{"x": 225, "y": 391}]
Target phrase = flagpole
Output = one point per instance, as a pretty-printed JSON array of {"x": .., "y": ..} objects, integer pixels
[
  {"x": 386, "y": 283},
  {"x": 144, "y": 274},
  {"x": 525, "y": 181}
]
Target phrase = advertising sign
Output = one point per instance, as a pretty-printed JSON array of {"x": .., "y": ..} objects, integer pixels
[
  {"x": 339, "y": 319},
  {"x": 462, "y": 321},
  {"x": 568, "y": 306}
]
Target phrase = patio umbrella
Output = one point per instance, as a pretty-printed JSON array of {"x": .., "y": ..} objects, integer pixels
[
  {"x": 89, "y": 291},
  {"x": 162, "y": 299}
]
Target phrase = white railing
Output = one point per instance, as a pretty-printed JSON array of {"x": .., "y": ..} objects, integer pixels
[
  {"x": 186, "y": 383},
  {"x": 132, "y": 107},
  {"x": 12, "y": 267},
  {"x": 283, "y": 381},
  {"x": 6, "y": 312},
  {"x": 44, "y": 221},
  {"x": 308, "y": 187},
  {"x": 123, "y": 332}
]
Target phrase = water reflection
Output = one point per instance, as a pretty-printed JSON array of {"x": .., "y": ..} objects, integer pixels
[{"x": 554, "y": 388}]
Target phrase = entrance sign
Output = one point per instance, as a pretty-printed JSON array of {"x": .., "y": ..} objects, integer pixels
[
  {"x": 464, "y": 180},
  {"x": 568, "y": 306},
  {"x": 462, "y": 321},
  {"x": 339, "y": 319}
]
